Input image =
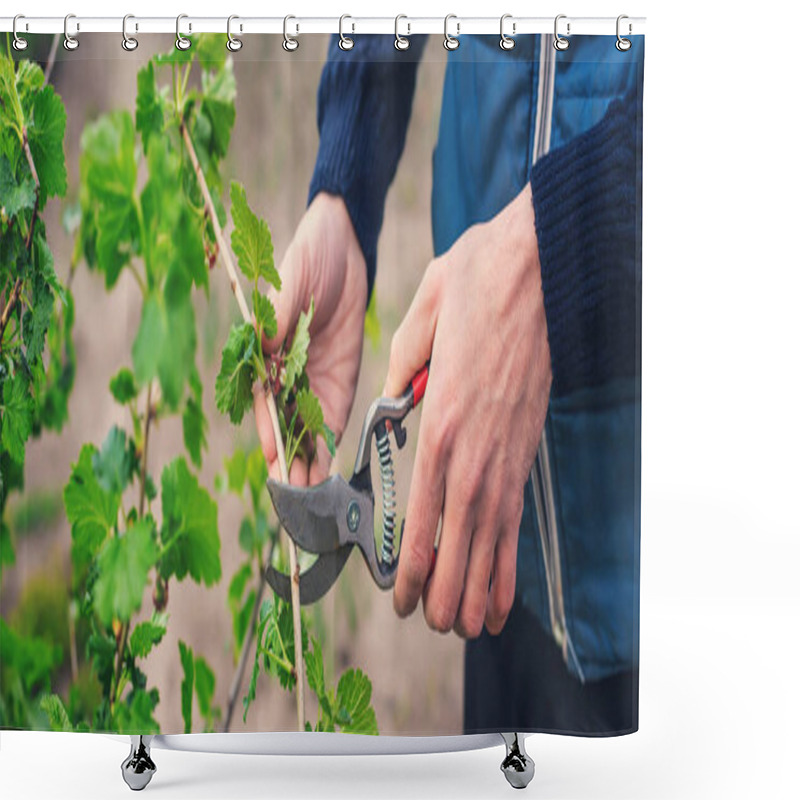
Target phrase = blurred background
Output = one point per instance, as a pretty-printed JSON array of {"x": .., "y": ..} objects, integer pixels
[{"x": 417, "y": 675}]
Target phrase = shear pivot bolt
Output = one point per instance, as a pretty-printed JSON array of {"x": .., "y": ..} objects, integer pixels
[{"x": 353, "y": 516}]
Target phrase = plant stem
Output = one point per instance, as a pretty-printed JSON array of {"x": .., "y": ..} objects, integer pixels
[
  {"x": 236, "y": 685},
  {"x": 145, "y": 440},
  {"x": 236, "y": 287},
  {"x": 13, "y": 299}
]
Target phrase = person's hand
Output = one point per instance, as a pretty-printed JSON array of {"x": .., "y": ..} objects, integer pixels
[
  {"x": 479, "y": 316},
  {"x": 325, "y": 261}
]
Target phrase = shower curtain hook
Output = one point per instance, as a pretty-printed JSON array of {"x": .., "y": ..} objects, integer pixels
[
  {"x": 401, "y": 42},
  {"x": 559, "y": 42},
  {"x": 233, "y": 44},
  {"x": 181, "y": 42},
  {"x": 451, "y": 42},
  {"x": 622, "y": 44},
  {"x": 345, "y": 42},
  {"x": 129, "y": 43},
  {"x": 70, "y": 42},
  {"x": 19, "y": 43},
  {"x": 506, "y": 42},
  {"x": 290, "y": 43}
]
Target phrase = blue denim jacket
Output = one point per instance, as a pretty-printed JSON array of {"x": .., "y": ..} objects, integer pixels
[{"x": 505, "y": 116}]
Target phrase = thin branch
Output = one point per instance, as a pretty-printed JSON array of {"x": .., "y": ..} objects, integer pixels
[
  {"x": 145, "y": 440},
  {"x": 236, "y": 287},
  {"x": 236, "y": 685},
  {"x": 8, "y": 310},
  {"x": 51, "y": 57},
  {"x": 13, "y": 298}
]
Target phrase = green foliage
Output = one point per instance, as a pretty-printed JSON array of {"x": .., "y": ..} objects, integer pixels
[
  {"x": 123, "y": 564},
  {"x": 35, "y": 375},
  {"x": 123, "y": 386},
  {"x": 91, "y": 510},
  {"x": 234, "y": 384},
  {"x": 251, "y": 241},
  {"x": 46, "y": 136},
  {"x": 53, "y": 706},
  {"x": 18, "y": 409},
  {"x": 297, "y": 356},
  {"x": 346, "y": 708},
  {"x": 190, "y": 534},
  {"x": 198, "y": 680},
  {"x": 141, "y": 212},
  {"x": 147, "y": 634}
]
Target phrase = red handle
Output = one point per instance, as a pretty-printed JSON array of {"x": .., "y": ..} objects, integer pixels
[{"x": 418, "y": 384}]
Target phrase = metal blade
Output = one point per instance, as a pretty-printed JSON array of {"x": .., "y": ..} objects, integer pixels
[
  {"x": 315, "y": 581},
  {"x": 316, "y": 517}
]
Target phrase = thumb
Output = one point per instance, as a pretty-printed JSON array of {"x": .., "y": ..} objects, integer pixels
[{"x": 412, "y": 343}]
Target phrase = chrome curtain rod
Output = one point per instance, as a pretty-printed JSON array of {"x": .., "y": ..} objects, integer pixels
[{"x": 296, "y": 26}]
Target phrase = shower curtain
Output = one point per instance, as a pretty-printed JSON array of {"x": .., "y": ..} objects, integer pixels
[{"x": 212, "y": 262}]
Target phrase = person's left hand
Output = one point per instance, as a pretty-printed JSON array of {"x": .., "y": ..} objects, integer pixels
[{"x": 479, "y": 317}]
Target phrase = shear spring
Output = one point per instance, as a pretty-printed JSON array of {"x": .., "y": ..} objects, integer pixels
[{"x": 388, "y": 493}]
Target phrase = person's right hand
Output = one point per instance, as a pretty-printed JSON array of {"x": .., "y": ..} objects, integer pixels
[{"x": 325, "y": 261}]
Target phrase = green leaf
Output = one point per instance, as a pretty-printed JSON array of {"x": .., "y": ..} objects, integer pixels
[
  {"x": 264, "y": 313},
  {"x": 263, "y": 617},
  {"x": 330, "y": 439},
  {"x": 247, "y": 536},
  {"x": 219, "y": 92},
  {"x": 251, "y": 240},
  {"x": 256, "y": 475},
  {"x": 150, "y": 105},
  {"x": 234, "y": 384},
  {"x": 46, "y": 139},
  {"x": 7, "y": 554},
  {"x": 15, "y": 196},
  {"x": 315, "y": 669},
  {"x": 123, "y": 565},
  {"x": 310, "y": 412},
  {"x": 115, "y": 462},
  {"x": 209, "y": 49},
  {"x": 238, "y": 583},
  {"x": 204, "y": 683},
  {"x": 372, "y": 323},
  {"x": 187, "y": 685},
  {"x": 278, "y": 646},
  {"x": 354, "y": 713},
  {"x": 110, "y": 227},
  {"x": 37, "y": 318},
  {"x": 148, "y": 634},
  {"x": 57, "y": 715},
  {"x": 32, "y": 658},
  {"x": 17, "y": 421},
  {"x": 9, "y": 97},
  {"x": 190, "y": 534},
  {"x": 90, "y": 509},
  {"x": 241, "y": 621},
  {"x": 195, "y": 427},
  {"x": 123, "y": 386},
  {"x": 298, "y": 353},
  {"x": 135, "y": 714},
  {"x": 165, "y": 345},
  {"x": 149, "y": 341},
  {"x": 102, "y": 651},
  {"x": 236, "y": 469}
]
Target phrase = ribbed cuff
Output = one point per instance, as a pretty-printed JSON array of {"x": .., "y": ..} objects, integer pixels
[
  {"x": 363, "y": 107},
  {"x": 587, "y": 204}
]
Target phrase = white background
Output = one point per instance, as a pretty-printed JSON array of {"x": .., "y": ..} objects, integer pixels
[{"x": 720, "y": 604}]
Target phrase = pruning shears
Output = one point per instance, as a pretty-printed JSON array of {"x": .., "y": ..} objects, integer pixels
[{"x": 333, "y": 517}]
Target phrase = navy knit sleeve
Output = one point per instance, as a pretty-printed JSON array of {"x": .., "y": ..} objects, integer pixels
[
  {"x": 363, "y": 108},
  {"x": 587, "y": 198}
]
